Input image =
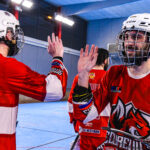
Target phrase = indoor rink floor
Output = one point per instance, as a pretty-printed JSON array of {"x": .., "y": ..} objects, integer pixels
[{"x": 44, "y": 126}]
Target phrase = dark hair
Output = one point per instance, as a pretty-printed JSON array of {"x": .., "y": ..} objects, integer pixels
[{"x": 102, "y": 55}]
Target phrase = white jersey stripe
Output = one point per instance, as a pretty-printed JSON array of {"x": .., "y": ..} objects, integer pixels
[
  {"x": 53, "y": 88},
  {"x": 106, "y": 111},
  {"x": 8, "y": 117},
  {"x": 93, "y": 113}
]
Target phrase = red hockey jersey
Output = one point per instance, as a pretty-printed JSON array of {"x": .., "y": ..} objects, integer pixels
[
  {"x": 90, "y": 128},
  {"x": 16, "y": 78},
  {"x": 130, "y": 107}
]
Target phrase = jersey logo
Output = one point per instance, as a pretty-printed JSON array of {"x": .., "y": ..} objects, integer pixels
[
  {"x": 126, "y": 117},
  {"x": 129, "y": 119},
  {"x": 91, "y": 75},
  {"x": 116, "y": 89}
]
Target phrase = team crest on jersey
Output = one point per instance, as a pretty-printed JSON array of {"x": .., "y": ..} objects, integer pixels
[
  {"x": 128, "y": 118},
  {"x": 91, "y": 75}
]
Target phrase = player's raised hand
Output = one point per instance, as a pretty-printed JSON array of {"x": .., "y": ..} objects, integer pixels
[
  {"x": 55, "y": 46},
  {"x": 86, "y": 62}
]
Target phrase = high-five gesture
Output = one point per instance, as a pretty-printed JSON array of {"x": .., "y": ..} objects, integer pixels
[
  {"x": 86, "y": 62},
  {"x": 55, "y": 46}
]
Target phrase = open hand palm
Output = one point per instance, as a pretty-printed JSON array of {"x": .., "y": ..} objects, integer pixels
[{"x": 87, "y": 59}]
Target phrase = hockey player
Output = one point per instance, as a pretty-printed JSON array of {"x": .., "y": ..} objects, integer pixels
[
  {"x": 126, "y": 87},
  {"x": 16, "y": 78},
  {"x": 91, "y": 131}
]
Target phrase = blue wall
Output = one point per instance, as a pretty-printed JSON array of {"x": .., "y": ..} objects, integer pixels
[{"x": 101, "y": 32}]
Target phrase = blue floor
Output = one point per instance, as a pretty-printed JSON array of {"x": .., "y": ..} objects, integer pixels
[{"x": 44, "y": 126}]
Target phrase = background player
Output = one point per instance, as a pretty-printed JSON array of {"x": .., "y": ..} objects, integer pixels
[{"x": 90, "y": 133}]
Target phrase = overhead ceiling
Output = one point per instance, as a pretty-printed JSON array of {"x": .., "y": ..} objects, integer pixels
[{"x": 101, "y": 9}]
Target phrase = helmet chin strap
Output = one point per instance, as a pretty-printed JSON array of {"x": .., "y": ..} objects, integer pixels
[{"x": 13, "y": 49}]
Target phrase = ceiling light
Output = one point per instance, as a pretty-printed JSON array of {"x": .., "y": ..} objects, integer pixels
[
  {"x": 58, "y": 18},
  {"x": 27, "y": 3},
  {"x": 49, "y": 17},
  {"x": 17, "y": 1},
  {"x": 63, "y": 19},
  {"x": 68, "y": 21}
]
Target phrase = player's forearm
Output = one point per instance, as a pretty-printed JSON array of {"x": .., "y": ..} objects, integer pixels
[
  {"x": 83, "y": 106},
  {"x": 56, "y": 81}
]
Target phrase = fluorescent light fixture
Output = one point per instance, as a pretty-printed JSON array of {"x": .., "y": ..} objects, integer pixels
[
  {"x": 27, "y": 3},
  {"x": 58, "y": 18},
  {"x": 17, "y": 1},
  {"x": 63, "y": 19}
]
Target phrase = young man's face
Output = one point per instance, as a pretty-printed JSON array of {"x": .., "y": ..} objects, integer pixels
[
  {"x": 136, "y": 44},
  {"x": 9, "y": 35}
]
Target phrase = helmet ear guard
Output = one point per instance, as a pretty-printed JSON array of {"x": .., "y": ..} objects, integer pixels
[{"x": 17, "y": 42}]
